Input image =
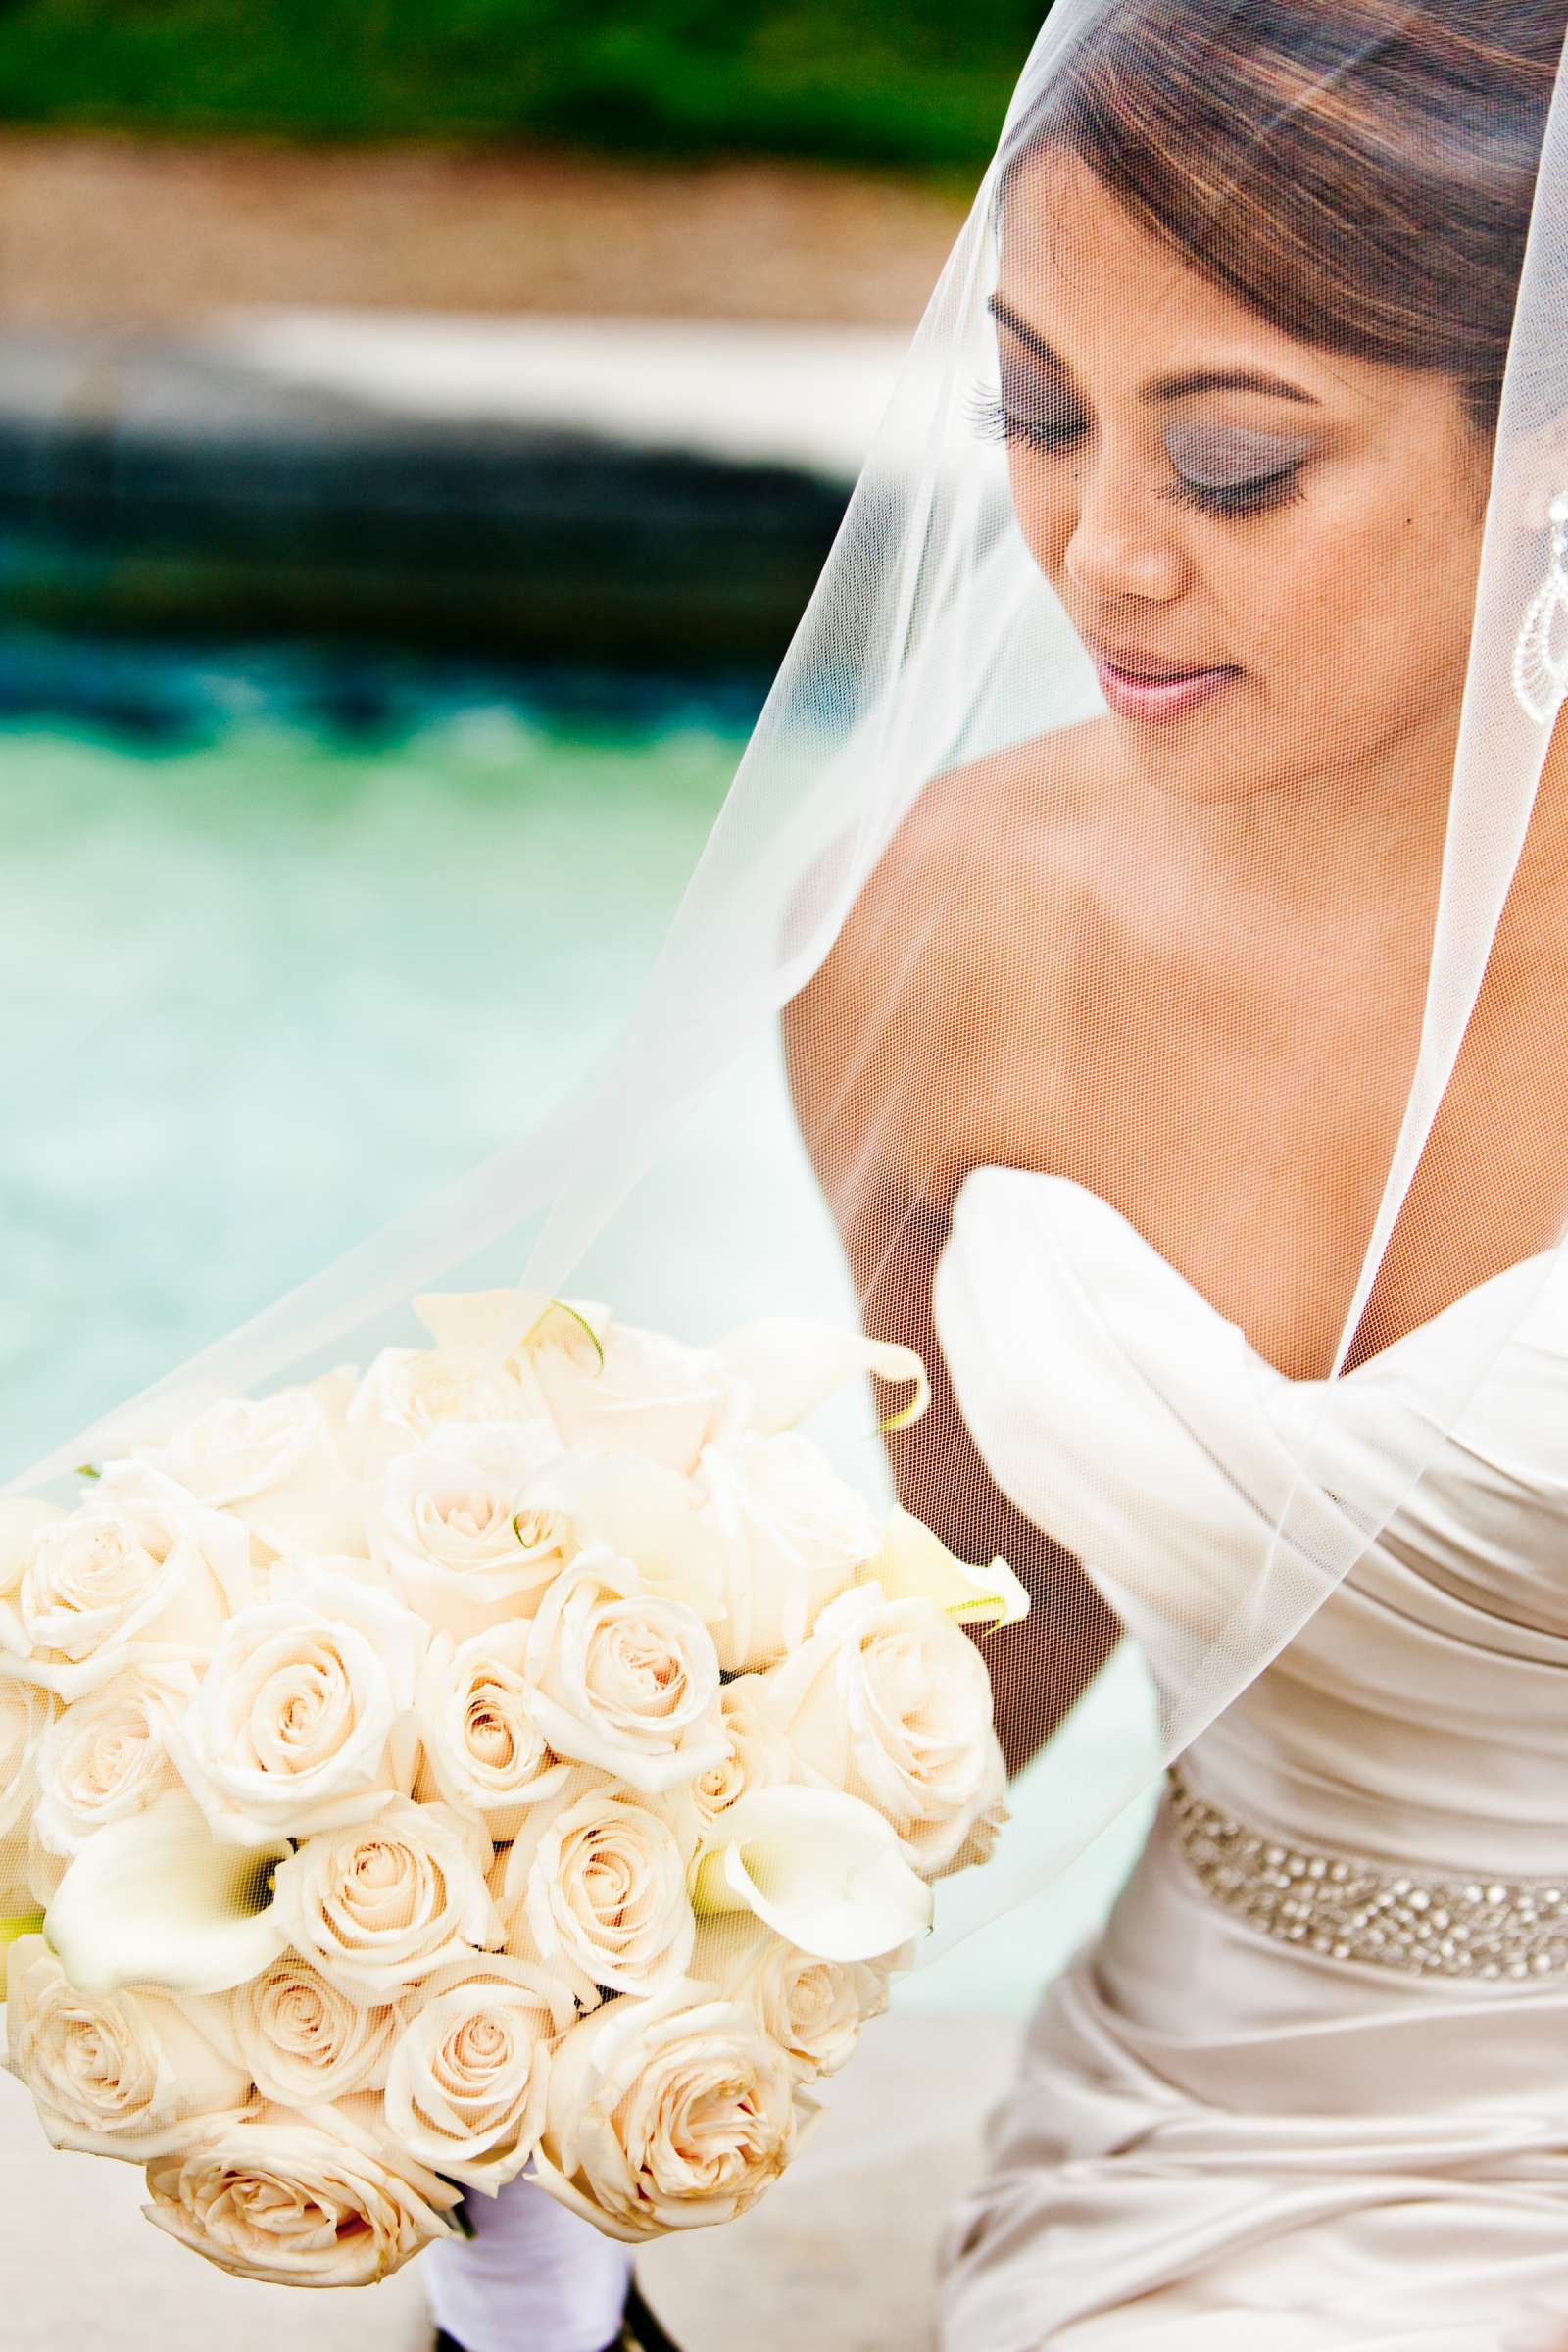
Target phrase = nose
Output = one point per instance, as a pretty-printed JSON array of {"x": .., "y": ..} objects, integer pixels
[{"x": 1123, "y": 542}]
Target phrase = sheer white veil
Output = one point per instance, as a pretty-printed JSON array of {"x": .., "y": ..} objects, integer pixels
[{"x": 935, "y": 641}]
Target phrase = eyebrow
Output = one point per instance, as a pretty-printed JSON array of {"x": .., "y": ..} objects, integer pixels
[{"x": 1160, "y": 387}]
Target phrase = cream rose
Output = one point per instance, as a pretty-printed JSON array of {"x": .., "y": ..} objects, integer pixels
[
  {"x": 41, "y": 1872},
  {"x": 596, "y": 1878},
  {"x": 306, "y": 2042},
  {"x": 107, "y": 1756},
  {"x": 666, "y": 2113},
  {"x": 334, "y": 1391},
  {"x": 121, "y": 2075},
  {"x": 795, "y": 1534},
  {"x": 891, "y": 1702},
  {"x": 759, "y": 1753},
  {"x": 465, "y": 2092},
  {"x": 991, "y": 1816},
  {"x": 456, "y": 1527},
  {"x": 379, "y": 1904},
  {"x": 21, "y": 1520},
  {"x": 25, "y": 1715},
  {"x": 275, "y": 1465},
  {"x": 484, "y": 1751},
  {"x": 294, "y": 1729},
  {"x": 140, "y": 1575},
  {"x": 812, "y": 2009},
  {"x": 408, "y": 1394},
  {"x": 624, "y": 1679},
  {"x": 639, "y": 1393},
  {"x": 299, "y": 2199}
]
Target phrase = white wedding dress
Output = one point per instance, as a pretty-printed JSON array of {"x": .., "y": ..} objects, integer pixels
[{"x": 1222, "y": 2140}]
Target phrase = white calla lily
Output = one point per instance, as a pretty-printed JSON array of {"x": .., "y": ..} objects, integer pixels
[
  {"x": 493, "y": 1326},
  {"x": 573, "y": 1323},
  {"x": 631, "y": 1390},
  {"x": 156, "y": 1900},
  {"x": 914, "y": 1564},
  {"x": 486, "y": 1324},
  {"x": 13, "y": 1929},
  {"x": 824, "y": 1870},
  {"x": 790, "y": 1363},
  {"x": 647, "y": 1513}
]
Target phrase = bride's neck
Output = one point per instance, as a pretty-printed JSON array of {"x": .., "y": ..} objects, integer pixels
[{"x": 1365, "y": 832}]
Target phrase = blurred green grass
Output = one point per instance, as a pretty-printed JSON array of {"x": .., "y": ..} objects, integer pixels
[{"x": 913, "y": 82}]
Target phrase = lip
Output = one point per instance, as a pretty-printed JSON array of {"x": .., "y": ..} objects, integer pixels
[{"x": 1134, "y": 696}]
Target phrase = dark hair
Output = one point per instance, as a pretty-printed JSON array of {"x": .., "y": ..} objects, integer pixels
[{"x": 1360, "y": 173}]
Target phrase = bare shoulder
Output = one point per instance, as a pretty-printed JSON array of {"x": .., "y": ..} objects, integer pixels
[
  {"x": 896, "y": 1030},
  {"x": 1008, "y": 819}
]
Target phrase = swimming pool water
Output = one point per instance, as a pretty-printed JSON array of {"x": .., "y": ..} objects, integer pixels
[{"x": 268, "y": 977}]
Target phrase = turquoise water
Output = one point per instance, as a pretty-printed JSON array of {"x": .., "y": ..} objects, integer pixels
[
  {"x": 286, "y": 944},
  {"x": 281, "y": 949}
]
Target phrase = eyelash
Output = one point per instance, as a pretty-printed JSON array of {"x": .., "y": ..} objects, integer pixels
[
  {"x": 1265, "y": 494},
  {"x": 1223, "y": 500}
]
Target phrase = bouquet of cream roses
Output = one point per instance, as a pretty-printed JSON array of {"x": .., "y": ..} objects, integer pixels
[{"x": 527, "y": 1755}]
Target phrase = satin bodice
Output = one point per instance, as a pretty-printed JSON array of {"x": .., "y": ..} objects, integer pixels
[
  {"x": 1419, "y": 1708},
  {"x": 1352, "y": 1600}
]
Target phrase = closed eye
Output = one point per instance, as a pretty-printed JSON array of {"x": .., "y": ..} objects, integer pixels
[
  {"x": 1207, "y": 461},
  {"x": 1233, "y": 469},
  {"x": 1256, "y": 497},
  {"x": 1043, "y": 425}
]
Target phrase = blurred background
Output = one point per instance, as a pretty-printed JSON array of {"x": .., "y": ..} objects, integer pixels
[{"x": 420, "y": 427}]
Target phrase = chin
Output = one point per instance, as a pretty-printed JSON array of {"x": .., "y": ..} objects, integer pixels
[{"x": 1205, "y": 764}]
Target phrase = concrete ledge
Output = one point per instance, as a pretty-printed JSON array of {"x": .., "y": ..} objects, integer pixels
[{"x": 622, "y": 490}]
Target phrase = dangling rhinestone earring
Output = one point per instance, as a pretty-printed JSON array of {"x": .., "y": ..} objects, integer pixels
[{"x": 1540, "y": 676}]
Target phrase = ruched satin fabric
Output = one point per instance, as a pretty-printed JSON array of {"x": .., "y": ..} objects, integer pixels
[{"x": 1219, "y": 2140}]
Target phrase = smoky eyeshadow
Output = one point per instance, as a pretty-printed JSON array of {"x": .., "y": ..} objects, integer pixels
[
  {"x": 1036, "y": 394},
  {"x": 1225, "y": 456}
]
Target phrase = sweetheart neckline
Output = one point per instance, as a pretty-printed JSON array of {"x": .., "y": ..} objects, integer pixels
[{"x": 1466, "y": 1299}]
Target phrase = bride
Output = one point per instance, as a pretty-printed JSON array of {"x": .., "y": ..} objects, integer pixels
[
  {"x": 1188, "y": 1076},
  {"x": 1156, "y": 845},
  {"x": 1140, "y": 1092}
]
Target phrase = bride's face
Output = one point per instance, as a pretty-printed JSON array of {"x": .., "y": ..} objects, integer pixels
[{"x": 1207, "y": 493}]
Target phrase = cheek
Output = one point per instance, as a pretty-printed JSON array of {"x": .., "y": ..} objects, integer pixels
[
  {"x": 1373, "y": 610},
  {"x": 1044, "y": 503},
  {"x": 1433, "y": 565}
]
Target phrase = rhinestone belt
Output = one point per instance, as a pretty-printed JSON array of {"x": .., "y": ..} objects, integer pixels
[{"x": 1355, "y": 1909}]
